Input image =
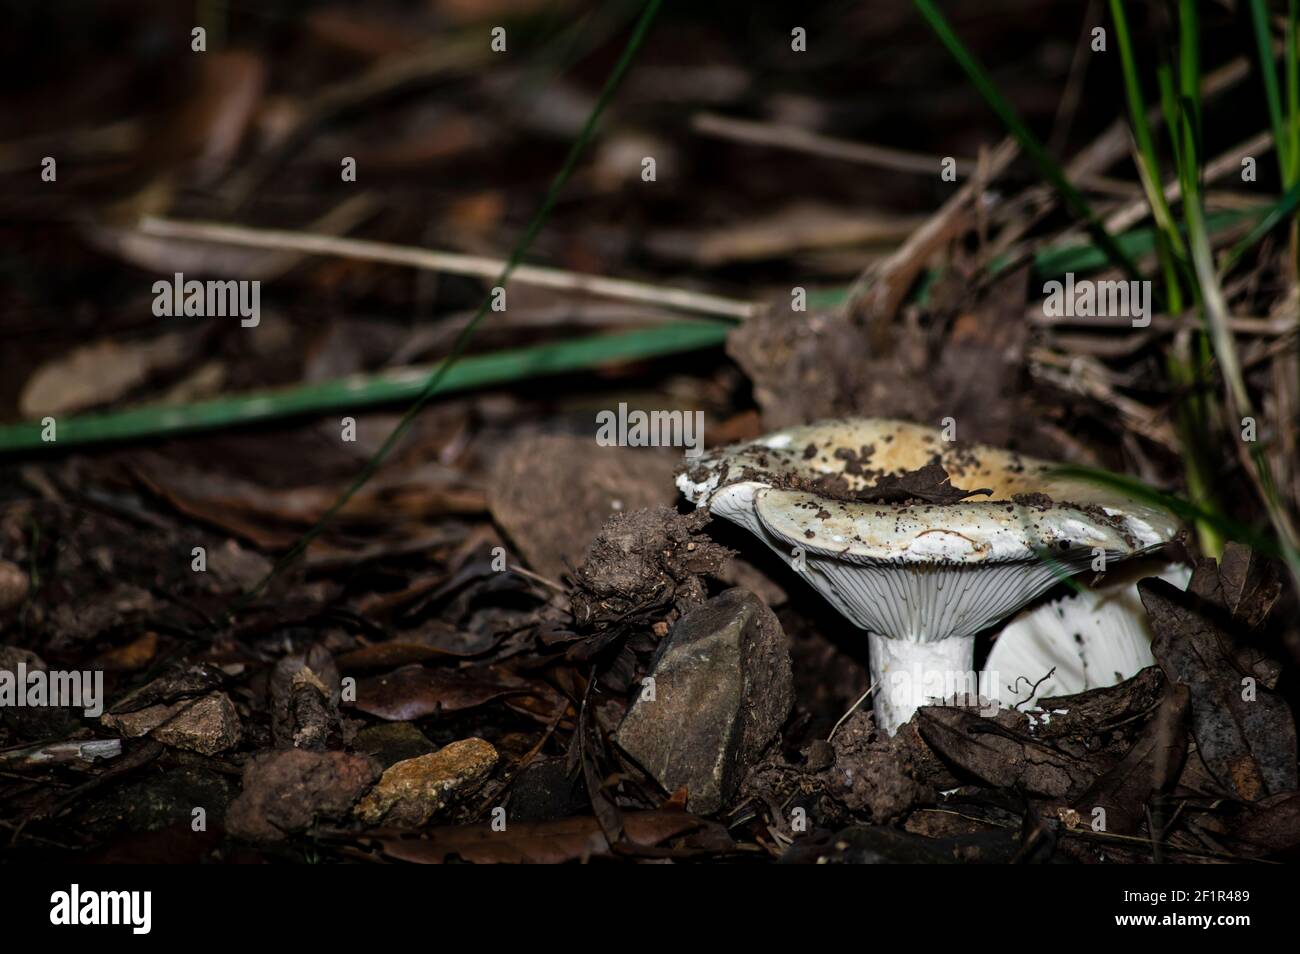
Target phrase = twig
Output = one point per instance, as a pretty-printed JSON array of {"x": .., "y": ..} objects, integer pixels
[
  {"x": 1126, "y": 217},
  {"x": 861, "y": 699},
  {"x": 879, "y": 291},
  {"x": 490, "y": 268},
  {"x": 798, "y": 139},
  {"x": 538, "y": 578},
  {"x": 1264, "y": 327}
]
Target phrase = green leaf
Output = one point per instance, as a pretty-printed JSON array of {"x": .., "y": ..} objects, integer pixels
[{"x": 382, "y": 387}]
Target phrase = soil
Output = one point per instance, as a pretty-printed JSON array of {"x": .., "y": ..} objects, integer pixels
[{"x": 342, "y": 581}]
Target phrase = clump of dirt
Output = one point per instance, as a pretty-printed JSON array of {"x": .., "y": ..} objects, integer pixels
[
  {"x": 868, "y": 771},
  {"x": 646, "y": 561},
  {"x": 1039, "y": 501}
]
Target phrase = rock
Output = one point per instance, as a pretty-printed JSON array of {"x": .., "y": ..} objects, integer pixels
[
  {"x": 821, "y": 755},
  {"x": 208, "y": 726},
  {"x": 185, "y": 682},
  {"x": 413, "y": 791},
  {"x": 288, "y": 790},
  {"x": 552, "y": 493},
  {"x": 132, "y": 725},
  {"x": 159, "y": 800},
  {"x": 723, "y": 688},
  {"x": 13, "y": 585},
  {"x": 392, "y": 742},
  {"x": 236, "y": 567}
]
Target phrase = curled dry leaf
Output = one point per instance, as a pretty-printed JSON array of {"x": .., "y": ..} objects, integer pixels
[
  {"x": 1244, "y": 731},
  {"x": 998, "y": 752},
  {"x": 1152, "y": 765}
]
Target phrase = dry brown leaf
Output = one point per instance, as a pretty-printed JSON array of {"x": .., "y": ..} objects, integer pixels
[{"x": 98, "y": 373}]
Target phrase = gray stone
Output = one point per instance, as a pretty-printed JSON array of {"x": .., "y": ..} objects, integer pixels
[
  {"x": 132, "y": 725},
  {"x": 207, "y": 726},
  {"x": 722, "y": 689}
]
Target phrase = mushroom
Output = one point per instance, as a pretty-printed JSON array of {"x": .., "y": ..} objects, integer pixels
[
  {"x": 1085, "y": 640},
  {"x": 868, "y": 511}
]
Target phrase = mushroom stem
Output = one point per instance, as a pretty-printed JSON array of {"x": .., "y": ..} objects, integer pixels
[{"x": 908, "y": 674}]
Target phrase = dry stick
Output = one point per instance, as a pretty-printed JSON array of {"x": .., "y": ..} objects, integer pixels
[
  {"x": 880, "y": 289},
  {"x": 1102, "y": 153},
  {"x": 782, "y": 136},
  {"x": 171, "y": 255},
  {"x": 1122, "y": 219},
  {"x": 861, "y": 699},
  {"x": 1075, "y": 380},
  {"x": 455, "y": 263}
]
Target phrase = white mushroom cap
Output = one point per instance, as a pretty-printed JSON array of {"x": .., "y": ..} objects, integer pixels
[
  {"x": 919, "y": 571},
  {"x": 1094, "y": 638}
]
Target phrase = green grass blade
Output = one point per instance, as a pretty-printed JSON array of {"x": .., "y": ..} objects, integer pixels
[
  {"x": 1292, "y": 93},
  {"x": 1047, "y": 166},
  {"x": 1264, "y": 44},
  {"x": 1269, "y": 221},
  {"x": 1189, "y": 57},
  {"x": 1147, "y": 163},
  {"x": 1184, "y": 509},
  {"x": 365, "y": 390}
]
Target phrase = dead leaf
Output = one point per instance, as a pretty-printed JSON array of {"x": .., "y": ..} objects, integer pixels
[
  {"x": 391, "y": 655},
  {"x": 1247, "y": 743},
  {"x": 1243, "y": 584},
  {"x": 929, "y": 483},
  {"x": 1273, "y": 824},
  {"x": 132, "y": 657},
  {"x": 99, "y": 373},
  {"x": 551, "y": 494},
  {"x": 994, "y": 751},
  {"x": 414, "y": 692},
  {"x": 1152, "y": 765}
]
